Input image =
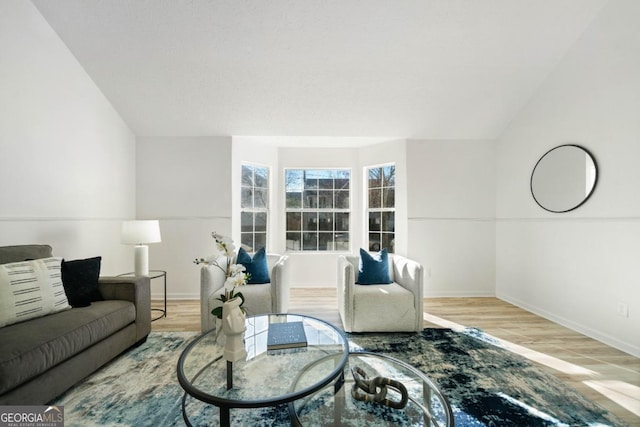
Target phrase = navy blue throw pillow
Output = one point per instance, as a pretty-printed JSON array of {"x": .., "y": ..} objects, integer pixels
[
  {"x": 256, "y": 267},
  {"x": 374, "y": 269},
  {"x": 80, "y": 281}
]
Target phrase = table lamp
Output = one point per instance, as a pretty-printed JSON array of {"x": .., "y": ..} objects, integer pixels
[{"x": 139, "y": 233}]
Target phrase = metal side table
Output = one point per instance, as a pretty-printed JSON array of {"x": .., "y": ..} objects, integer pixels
[{"x": 155, "y": 274}]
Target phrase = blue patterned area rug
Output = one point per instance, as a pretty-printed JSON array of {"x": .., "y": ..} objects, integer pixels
[{"x": 487, "y": 385}]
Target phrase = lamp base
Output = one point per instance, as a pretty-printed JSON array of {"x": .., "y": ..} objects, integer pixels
[{"x": 141, "y": 260}]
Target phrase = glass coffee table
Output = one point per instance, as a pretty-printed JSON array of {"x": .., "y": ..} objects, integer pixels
[
  {"x": 266, "y": 377},
  {"x": 335, "y": 404}
]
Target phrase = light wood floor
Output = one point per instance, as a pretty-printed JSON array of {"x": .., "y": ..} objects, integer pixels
[{"x": 605, "y": 375}]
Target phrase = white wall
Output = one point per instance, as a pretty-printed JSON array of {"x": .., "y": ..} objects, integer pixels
[
  {"x": 575, "y": 268},
  {"x": 185, "y": 182},
  {"x": 67, "y": 159},
  {"x": 451, "y": 211}
]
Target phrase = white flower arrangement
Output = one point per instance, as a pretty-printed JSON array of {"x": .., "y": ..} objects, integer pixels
[{"x": 235, "y": 273}]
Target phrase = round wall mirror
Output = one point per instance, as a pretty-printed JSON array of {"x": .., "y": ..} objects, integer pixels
[{"x": 564, "y": 178}]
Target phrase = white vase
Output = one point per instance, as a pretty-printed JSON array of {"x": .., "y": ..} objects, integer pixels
[
  {"x": 233, "y": 327},
  {"x": 221, "y": 338}
]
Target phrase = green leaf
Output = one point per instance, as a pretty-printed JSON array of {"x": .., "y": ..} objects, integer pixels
[
  {"x": 239, "y": 295},
  {"x": 217, "y": 312}
]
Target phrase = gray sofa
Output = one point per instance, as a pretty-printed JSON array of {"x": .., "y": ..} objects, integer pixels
[{"x": 43, "y": 357}]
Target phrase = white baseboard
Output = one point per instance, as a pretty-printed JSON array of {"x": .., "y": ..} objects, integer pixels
[
  {"x": 458, "y": 294},
  {"x": 427, "y": 294},
  {"x": 585, "y": 330},
  {"x": 175, "y": 296}
]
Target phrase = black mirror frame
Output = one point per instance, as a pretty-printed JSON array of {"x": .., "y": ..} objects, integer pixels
[{"x": 595, "y": 181}]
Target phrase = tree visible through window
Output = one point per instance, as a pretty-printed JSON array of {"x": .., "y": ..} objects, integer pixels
[
  {"x": 254, "y": 207},
  {"x": 317, "y": 209},
  {"x": 381, "y": 190}
]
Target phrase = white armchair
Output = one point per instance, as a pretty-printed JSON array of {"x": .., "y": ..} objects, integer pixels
[
  {"x": 264, "y": 298},
  {"x": 395, "y": 307}
]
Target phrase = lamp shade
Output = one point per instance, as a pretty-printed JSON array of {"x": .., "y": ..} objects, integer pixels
[{"x": 140, "y": 232}]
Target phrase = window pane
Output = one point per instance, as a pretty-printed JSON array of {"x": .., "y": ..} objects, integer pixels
[
  {"x": 310, "y": 183},
  {"x": 260, "y": 241},
  {"x": 389, "y": 176},
  {"x": 388, "y": 242},
  {"x": 389, "y": 195},
  {"x": 310, "y": 199},
  {"x": 246, "y": 239},
  {"x": 326, "y": 221},
  {"x": 342, "y": 221},
  {"x": 342, "y": 174},
  {"x": 293, "y": 241},
  {"x": 310, "y": 221},
  {"x": 293, "y": 180},
  {"x": 375, "y": 199},
  {"x": 294, "y": 199},
  {"x": 342, "y": 199},
  {"x": 375, "y": 219},
  {"x": 294, "y": 221},
  {"x": 320, "y": 174},
  {"x": 374, "y": 242},
  {"x": 342, "y": 242},
  {"x": 325, "y": 242},
  {"x": 342, "y": 184},
  {"x": 262, "y": 177},
  {"x": 246, "y": 222},
  {"x": 388, "y": 221},
  {"x": 325, "y": 184},
  {"x": 260, "y": 198},
  {"x": 260, "y": 222},
  {"x": 325, "y": 199},
  {"x": 246, "y": 198},
  {"x": 375, "y": 177},
  {"x": 247, "y": 175},
  {"x": 310, "y": 241}
]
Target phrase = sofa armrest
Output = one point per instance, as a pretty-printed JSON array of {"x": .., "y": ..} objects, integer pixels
[
  {"x": 409, "y": 274},
  {"x": 135, "y": 289},
  {"x": 280, "y": 285}
]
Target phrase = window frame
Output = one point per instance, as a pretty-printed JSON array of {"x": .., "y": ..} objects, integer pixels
[
  {"x": 253, "y": 210},
  {"x": 382, "y": 209},
  {"x": 330, "y": 213}
]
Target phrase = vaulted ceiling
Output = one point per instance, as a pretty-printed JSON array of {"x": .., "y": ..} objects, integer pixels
[{"x": 440, "y": 69}]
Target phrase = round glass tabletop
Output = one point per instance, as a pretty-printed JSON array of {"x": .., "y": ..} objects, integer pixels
[{"x": 266, "y": 377}]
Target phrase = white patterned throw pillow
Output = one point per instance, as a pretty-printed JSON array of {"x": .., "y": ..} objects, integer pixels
[{"x": 31, "y": 289}]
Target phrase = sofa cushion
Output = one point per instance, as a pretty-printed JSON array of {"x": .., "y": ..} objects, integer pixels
[
  {"x": 18, "y": 253},
  {"x": 31, "y": 289},
  {"x": 383, "y": 308},
  {"x": 30, "y": 348},
  {"x": 80, "y": 280}
]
